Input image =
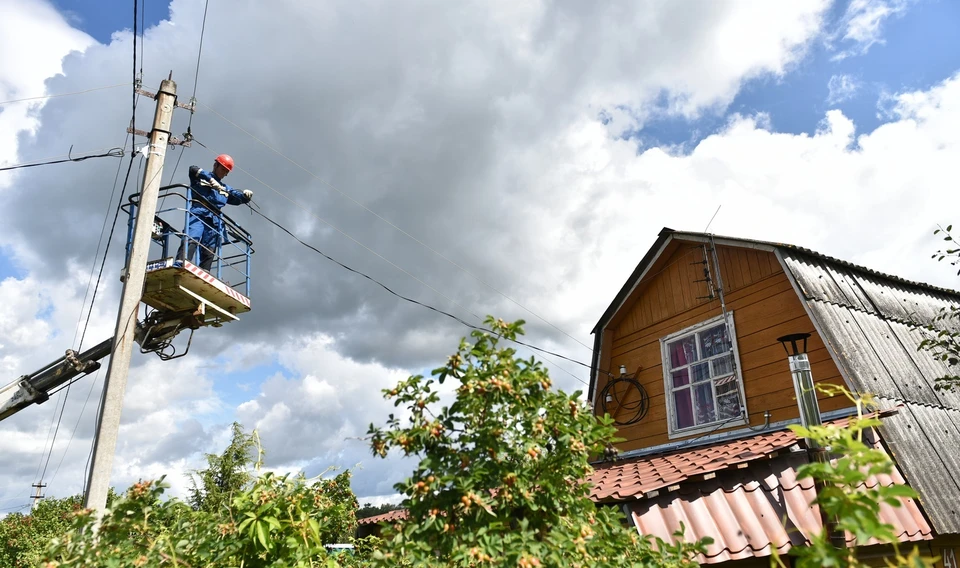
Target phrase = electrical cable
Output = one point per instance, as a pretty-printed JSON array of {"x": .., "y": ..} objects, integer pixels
[
  {"x": 42, "y": 97},
  {"x": 370, "y": 250},
  {"x": 411, "y": 300},
  {"x": 173, "y": 175},
  {"x": 67, "y": 155},
  {"x": 378, "y": 216},
  {"x": 83, "y": 335},
  {"x": 193, "y": 98},
  {"x": 133, "y": 119},
  {"x": 113, "y": 153},
  {"x": 302, "y": 207},
  {"x": 196, "y": 76},
  {"x": 96, "y": 287},
  {"x": 143, "y": 30},
  {"x": 53, "y": 417},
  {"x": 96, "y": 255},
  {"x": 103, "y": 262}
]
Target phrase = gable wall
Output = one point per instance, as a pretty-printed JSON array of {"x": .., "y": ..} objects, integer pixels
[{"x": 669, "y": 299}]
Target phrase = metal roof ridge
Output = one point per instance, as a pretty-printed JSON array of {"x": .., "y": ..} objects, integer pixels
[{"x": 822, "y": 256}]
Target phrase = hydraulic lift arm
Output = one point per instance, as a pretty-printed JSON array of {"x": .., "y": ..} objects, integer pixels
[{"x": 36, "y": 388}]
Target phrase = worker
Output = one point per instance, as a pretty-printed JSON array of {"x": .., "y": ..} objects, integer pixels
[{"x": 206, "y": 226}]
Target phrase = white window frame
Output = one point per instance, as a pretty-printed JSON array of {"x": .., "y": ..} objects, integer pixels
[{"x": 668, "y": 390}]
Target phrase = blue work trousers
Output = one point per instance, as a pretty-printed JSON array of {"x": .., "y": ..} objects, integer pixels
[{"x": 206, "y": 233}]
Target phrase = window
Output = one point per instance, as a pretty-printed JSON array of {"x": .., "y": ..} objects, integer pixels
[{"x": 701, "y": 373}]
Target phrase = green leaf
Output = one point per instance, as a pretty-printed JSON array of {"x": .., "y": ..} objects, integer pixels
[{"x": 262, "y": 535}]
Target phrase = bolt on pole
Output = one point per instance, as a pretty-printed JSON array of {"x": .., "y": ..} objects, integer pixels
[{"x": 108, "y": 423}]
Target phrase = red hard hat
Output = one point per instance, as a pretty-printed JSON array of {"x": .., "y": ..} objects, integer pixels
[{"x": 225, "y": 161}]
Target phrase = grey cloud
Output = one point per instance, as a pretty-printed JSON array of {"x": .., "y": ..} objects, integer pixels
[
  {"x": 445, "y": 119},
  {"x": 411, "y": 110}
]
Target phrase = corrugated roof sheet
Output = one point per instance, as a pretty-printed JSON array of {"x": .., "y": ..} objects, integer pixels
[
  {"x": 874, "y": 335},
  {"x": 817, "y": 279},
  {"x": 750, "y": 512},
  {"x": 925, "y": 442}
]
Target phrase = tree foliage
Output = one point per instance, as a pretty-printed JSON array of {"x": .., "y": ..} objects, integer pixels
[
  {"x": 276, "y": 521},
  {"x": 501, "y": 470},
  {"x": 498, "y": 482},
  {"x": 226, "y": 473},
  {"x": 846, "y": 496},
  {"x": 23, "y": 537},
  {"x": 236, "y": 519},
  {"x": 942, "y": 336}
]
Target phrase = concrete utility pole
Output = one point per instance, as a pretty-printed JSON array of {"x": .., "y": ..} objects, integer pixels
[
  {"x": 108, "y": 423},
  {"x": 36, "y": 494}
]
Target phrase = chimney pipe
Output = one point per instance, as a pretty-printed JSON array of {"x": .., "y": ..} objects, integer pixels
[
  {"x": 810, "y": 416},
  {"x": 803, "y": 385}
]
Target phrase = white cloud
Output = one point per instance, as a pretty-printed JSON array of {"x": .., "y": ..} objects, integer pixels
[
  {"x": 318, "y": 416},
  {"x": 872, "y": 198},
  {"x": 841, "y": 88},
  {"x": 861, "y": 26},
  {"x": 48, "y": 37},
  {"x": 474, "y": 127}
]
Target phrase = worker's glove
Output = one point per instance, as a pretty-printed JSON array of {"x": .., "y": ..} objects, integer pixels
[
  {"x": 248, "y": 194},
  {"x": 211, "y": 183}
]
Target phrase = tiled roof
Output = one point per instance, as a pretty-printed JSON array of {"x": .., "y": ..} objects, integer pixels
[
  {"x": 744, "y": 494},
  {"x": 749, "y": 512},
  {"x": 388, "y": 517},
  {"x": 637, "y": 478}
]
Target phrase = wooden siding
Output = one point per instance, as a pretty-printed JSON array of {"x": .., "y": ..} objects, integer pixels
[{"x": 764, "y": 307}]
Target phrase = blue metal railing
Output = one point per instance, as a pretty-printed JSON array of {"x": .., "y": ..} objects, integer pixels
[{"x": 231, "y": 256}]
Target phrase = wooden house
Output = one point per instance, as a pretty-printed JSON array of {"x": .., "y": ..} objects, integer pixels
[{"x": 688, "y": 360}]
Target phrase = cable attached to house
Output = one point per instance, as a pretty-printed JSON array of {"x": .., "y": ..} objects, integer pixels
[{"x": 417, "y": 302}]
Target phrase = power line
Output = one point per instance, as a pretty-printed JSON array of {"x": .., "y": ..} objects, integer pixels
[
  {"x": 133, "y": 119},
  {"x": 417, "y": 302},
  {"x": 196, "y": 76},
  {"x": 193, "y": 98},
  {"x": 69, "y": 155},
  {"x": 113, "y": 153},
  {"x": 96, "y": 287},
  {"x": 344, "y": 233},
  {"x": 143, "y": 29},
  {"x": 42, "y": 97},
  {"x": 387, "y": 221},
  {"x": 103, "y": 229}
]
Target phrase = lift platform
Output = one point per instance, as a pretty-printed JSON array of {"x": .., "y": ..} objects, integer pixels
[
  {"x": 179, "y": 285},
  {"x": 179, "y": 294}
]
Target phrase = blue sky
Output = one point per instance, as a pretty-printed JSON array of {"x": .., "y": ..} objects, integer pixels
[
  {"x": 919, "y": 48},
  {"x": 395, "y": 109},
  {"x": 101, "y": 18}
]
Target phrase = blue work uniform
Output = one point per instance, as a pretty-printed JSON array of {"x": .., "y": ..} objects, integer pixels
[{"x": 206, "y": 226}]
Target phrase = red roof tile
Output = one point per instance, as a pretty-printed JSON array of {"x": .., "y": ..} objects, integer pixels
[
  {"x": 751, "y": 503},
  {"x": 388, "y": 517},
  {"x": 631, "y": 479},
  {"x": 749, "y": 512}
]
